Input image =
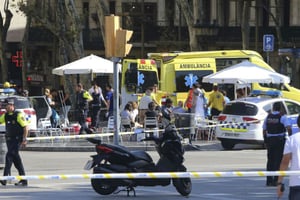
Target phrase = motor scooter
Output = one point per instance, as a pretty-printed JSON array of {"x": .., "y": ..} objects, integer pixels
[{"x": 112, "y": 158}]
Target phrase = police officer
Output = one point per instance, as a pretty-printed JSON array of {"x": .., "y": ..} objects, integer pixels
[
  {"x": 274, "y": 131},
  {"x": 96, "y": 93},
  {"x": 16, "y": 134},
  {"x": 82, "y": 107}
]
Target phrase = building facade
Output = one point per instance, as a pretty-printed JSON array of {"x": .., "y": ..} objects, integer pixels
[{"x": 159, "y": 26}]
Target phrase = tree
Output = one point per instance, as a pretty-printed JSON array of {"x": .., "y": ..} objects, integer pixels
[
  {"x": 62, "y": 20},
  {"x": 4, "y": 26}
]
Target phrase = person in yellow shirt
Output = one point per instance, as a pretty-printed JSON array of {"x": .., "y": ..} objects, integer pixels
[
  {"x": 216, "y": 101},
  {"x": 16, "y": 133},
  {"x": 157, "y": 95}
]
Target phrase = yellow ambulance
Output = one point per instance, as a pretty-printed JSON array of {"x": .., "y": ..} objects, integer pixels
[
  {"x": 137, "y": 76},
  {"x": 179, "y": 70}
]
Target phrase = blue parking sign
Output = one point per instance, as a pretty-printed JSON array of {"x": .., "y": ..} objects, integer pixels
[{"x": 268, "y": 43}]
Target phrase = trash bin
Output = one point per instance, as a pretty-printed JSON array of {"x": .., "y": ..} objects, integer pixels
[
  {"x": 182, "y": 120},
  {"x": 3, "y": 150}
]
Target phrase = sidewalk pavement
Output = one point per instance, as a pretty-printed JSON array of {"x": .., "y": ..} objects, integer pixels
[{"x": 81, "y": 145}]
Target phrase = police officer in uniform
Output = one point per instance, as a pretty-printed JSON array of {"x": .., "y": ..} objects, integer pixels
[
  {"x": 96, "y": 93},
  {"x": 16, "y": 134},
  {"x": 274, "y": 131},
  {"x": 83, "y": 98}
]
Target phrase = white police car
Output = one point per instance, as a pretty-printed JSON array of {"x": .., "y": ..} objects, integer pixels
[
  {"x": 241, "y": 120},
  {"x": 34, "y": 107},
  {"x": 21, "y": 104}
]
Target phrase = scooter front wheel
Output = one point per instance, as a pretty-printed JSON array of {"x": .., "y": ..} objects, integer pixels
[
  {"x": 183, "y": 185},
  {"x": 103, "y": 187}
]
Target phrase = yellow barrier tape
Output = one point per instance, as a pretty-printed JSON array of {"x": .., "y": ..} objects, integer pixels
[
  {"x": 58, "y": 134},
  {"x": 152, "y": 175}
]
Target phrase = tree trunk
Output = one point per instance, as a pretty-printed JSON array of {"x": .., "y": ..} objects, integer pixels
[
  {"x": 189, "y": 18},
  {"x": 3, "y": 44},
  {"x": 245, "y": 28},
  {"x": 277, "y": 20},
  {"x": 102, "y": 11}
]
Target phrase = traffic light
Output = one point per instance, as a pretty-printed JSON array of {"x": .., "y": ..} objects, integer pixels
[
  {"x": 115, "y": 38},
  {"x": 122, "y": 48},
  {"x": 112, "y": 23}
]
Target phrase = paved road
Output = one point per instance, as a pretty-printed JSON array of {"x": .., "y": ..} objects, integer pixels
[{"x": 41, "y": 163}]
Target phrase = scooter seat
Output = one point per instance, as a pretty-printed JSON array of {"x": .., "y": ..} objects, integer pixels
[{"x": 142, "y": 155}]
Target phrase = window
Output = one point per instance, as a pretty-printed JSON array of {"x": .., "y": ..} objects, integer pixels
[
  {"x": 184, "y": 83},
  {"x": 293, "y": 108},
  {"x": 132, "y": 15},
  {"x": 240, "y": 108},
  {"x": 138, "y": 81}
]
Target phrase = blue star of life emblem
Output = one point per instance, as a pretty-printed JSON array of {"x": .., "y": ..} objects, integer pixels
[
  {"x": 141, "y": 80},
  {"x": 190, "y": 79}
]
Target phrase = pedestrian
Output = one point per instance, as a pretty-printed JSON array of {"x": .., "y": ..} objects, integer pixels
[
  {"x": 54, "y": 118},
  {"x": 167, "y": 112},
  {"x": 189, "y": 100},
  {"x": 82, "y": 108},
  {"x": 198, "y": 102},
  {"x": 152, "y": 112},
  {"x": 143, "y": 105},
  {"x": 291, "y": 156},
  {"x": 157, "y": 95},
  {"x": 109, "y": 100},
  {"x": 96, "y": 92},
  {"x": 275, "y": 127},
  {"x": 49, "y": 97},
  {"x": 216, "y": 102},
  {"x": 179, "y": 108},
  {"x": 226, "y": 98},
  {"x": 127, "y": 113},
  {"x": 197, "y": 110},
  {"x": 16, "y": 134},
  {"x": 135, "y": 110}
]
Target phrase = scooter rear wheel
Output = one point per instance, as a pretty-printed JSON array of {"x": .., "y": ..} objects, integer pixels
[
  {"x": 183, "y": 185},
  {"x": 103, "y": 187}
]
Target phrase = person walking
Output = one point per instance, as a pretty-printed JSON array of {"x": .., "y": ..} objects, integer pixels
[
  {"x": 96, "y": 92},
  {"x": 16, "y": 134},
  {"x": 82, "y": 108},
  {"x": 291, "y": 156},
  {"x": 274, "y": 131}
]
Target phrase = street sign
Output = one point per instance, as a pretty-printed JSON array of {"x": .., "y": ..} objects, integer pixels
[{"x": 268, "y": 43}]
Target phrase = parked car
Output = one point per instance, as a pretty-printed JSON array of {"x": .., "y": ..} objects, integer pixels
[
  {"x": 241, "y": 120},
  {"x": 21, "y": 104},
  {"x": 42, "y": 108},
  {"x": 34, "y": 108}
]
